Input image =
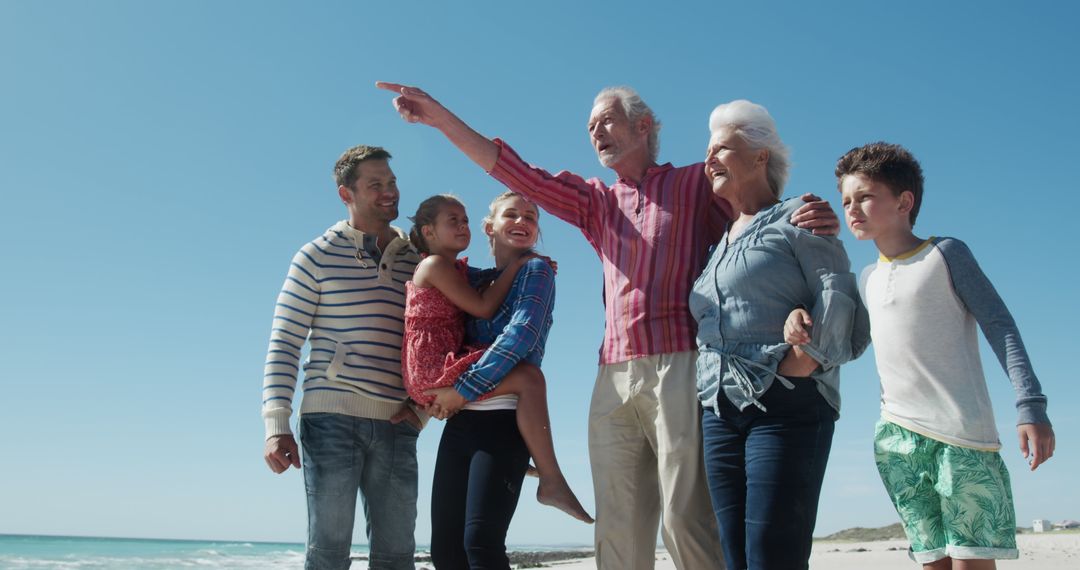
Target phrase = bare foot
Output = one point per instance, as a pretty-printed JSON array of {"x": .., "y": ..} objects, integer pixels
[
  {"x": 555, "y": 492},
  {"x": 532, "y": 472}
]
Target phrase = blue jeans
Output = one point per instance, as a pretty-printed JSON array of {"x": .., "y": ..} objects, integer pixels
[
  {"x": 343, "y": 454},
  {"x": 765, "y": 471},
  {"x": 478, "y": 473}
]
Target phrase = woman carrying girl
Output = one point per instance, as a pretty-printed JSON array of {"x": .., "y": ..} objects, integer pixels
[{"x": 485, "y": 448}]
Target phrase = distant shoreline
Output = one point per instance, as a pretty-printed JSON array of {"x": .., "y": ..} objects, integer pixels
[
  {"x": 145, "y": 539},
  {"x": 562, "y": 547},
  {"x": 853, "y": 534}
]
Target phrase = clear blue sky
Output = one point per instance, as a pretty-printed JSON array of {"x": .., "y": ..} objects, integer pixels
[{"x": 160, "y": 162}]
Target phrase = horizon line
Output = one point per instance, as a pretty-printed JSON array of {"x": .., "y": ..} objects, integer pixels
[{"x": 300, "y": 544}]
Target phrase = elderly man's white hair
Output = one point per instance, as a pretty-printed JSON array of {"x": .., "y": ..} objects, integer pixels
[
  {"x": 754, "y": 125},
  {"x": 635, "y": 109}
]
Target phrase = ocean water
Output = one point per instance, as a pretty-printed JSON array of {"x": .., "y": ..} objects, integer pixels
[
  {"x": 20, "y": 552},
  {"x": 28, "y": 552}
]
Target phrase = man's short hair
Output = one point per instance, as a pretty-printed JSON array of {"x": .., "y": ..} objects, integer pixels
[
  {"x": 634, "y": 108},
  {"x": 891, "y": 165},
  {"x": 345, "y": 170}
]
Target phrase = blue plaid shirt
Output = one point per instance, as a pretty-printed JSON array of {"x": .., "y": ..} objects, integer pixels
[{"x": 517, "y": 333}]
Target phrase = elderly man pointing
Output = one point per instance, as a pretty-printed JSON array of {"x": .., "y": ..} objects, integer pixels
[{"x": 652, "y": 229}]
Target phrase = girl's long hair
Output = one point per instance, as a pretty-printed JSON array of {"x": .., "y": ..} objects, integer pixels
[{"x": 425, "y": 215}]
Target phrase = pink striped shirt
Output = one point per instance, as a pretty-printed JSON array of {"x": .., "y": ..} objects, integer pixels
[{"x": 652, "y": 237}]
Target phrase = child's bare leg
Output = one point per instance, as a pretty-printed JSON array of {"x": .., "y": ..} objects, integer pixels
[
  {"x": 974, "y": 564},
  {"x": 527, "y": 383},
  {"x": 958, "y": 564},
  {"x": 943, "y": 564}
]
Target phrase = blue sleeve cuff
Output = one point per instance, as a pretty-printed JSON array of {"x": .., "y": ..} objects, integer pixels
[{"x": 467, "y": 391}]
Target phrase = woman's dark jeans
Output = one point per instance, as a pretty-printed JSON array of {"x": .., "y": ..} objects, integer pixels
[
  {"x": 765, "y": 471},
  {"x": 478, "y": 474}
]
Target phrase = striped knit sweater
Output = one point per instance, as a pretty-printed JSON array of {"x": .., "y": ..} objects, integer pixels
[{"x": 351, "y": 309}]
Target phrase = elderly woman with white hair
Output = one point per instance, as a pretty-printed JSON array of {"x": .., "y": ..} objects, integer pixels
[{"x": 768, "y": 407}]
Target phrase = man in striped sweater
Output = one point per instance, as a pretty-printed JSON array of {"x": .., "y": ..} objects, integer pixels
[
  {"x": 345, "y": 295},
  {"x": 652, "y": 229}
]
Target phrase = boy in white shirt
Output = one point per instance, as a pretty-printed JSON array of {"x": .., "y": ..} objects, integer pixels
[{"x": 936, "y": 445}]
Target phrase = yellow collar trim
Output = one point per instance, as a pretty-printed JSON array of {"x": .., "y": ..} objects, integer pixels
[{"x": 911, "y": 253}]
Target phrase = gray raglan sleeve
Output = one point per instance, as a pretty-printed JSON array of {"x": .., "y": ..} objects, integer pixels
[{"x": 997, "y": 324}]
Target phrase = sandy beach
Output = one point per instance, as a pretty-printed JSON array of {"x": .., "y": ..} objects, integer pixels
[{"x": 1043, "y": 551}]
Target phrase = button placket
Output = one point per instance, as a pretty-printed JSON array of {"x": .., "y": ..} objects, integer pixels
[{"x": 890, "y": 284}]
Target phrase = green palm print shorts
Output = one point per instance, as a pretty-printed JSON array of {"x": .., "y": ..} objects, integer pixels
[{"x": 953, "y": 501}]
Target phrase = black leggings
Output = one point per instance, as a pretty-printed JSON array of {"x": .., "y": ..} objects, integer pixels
[{"x": 478, "y": 474}]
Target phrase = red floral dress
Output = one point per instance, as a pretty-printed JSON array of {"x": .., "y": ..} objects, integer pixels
[{"x": 433, "y": 354}]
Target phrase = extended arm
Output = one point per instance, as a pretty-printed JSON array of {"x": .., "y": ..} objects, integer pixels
[
  {"x": 565, "y": 195},
  {"x": 416, "y": 106}
]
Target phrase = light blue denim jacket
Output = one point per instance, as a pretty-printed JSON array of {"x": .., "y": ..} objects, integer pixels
[{"x": 744, "y": 295}]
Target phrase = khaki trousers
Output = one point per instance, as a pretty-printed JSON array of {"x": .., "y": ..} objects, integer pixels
[{"x": 646, "y": 455}]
